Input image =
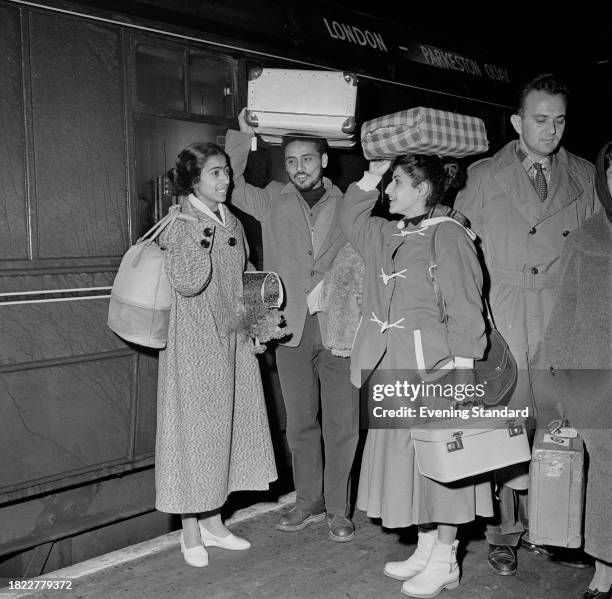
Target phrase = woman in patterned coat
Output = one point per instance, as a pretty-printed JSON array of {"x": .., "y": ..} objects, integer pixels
[
  {"x": 212, "y": 428},
  {"x": 401, "y": 330}
]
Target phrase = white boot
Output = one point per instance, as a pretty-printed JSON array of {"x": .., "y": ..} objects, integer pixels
[
  {"x": 416, "y": 562},
  {"x": 441, "y": 572}
]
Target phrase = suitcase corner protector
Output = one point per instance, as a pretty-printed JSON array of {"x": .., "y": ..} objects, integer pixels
[
  {"x": 251, "y": 118},
  {"x": 255, "y": 73},
  {"x": 350, "y": 78},
  {"x": 349, "y": 125}
]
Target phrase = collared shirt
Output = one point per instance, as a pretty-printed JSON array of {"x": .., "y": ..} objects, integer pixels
[
  {"x": 529, "y": 165},
  {"x": 202, "y": 207}
]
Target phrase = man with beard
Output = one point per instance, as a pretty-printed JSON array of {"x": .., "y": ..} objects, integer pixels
[
  {"x": 523, "y": 202},
  {"x": 301, "y": 237}
]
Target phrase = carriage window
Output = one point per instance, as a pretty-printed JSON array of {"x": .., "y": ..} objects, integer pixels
[
  {"x": 159, "y": 76},
  {"x": 210, "y": 86}
]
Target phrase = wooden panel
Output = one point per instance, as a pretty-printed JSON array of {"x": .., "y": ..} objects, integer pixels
[
  {"x": 52, "y": 330},
  {"x": 79, "y": 141},
  {"x": 13, "y": 223},
  {"x": 68, "y": 512},
  {"x": 146, "y": 417},
  {"x": 64, "y": 418}
]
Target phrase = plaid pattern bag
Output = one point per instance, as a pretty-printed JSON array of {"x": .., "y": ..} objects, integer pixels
[{"x": 423, "y": 131}]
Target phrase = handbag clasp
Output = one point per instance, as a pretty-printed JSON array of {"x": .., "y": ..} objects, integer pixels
[
  {"x": 456, "y": 444},
  {"x": 514, "y": 429}
]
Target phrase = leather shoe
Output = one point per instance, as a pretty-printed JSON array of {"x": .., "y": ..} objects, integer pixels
[
  {"x": 502, "y": 559},
  {"x": 591, "y": 594},
  {"x": 572, "y": 558},
  {"x": 298, "y": 519},
  {"x": 341, "y": 528},
  {"x": 530, "y": 547},
  {"x": 231, "y": 541}
]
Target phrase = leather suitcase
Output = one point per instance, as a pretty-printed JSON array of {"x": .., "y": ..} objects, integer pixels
[
  {"x": 318, "y": 103},
  {"x": 556, "y": 491},
  {"x": 450, "y": 450},
  {"x": 423, "y": 131}
]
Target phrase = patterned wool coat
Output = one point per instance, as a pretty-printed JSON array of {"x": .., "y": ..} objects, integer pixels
[{"x": 212, "y": 429}]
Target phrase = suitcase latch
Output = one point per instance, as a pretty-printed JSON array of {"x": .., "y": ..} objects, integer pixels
[
  {"x": 456, "y": 444},
  {"x": 514, "y": 429}
]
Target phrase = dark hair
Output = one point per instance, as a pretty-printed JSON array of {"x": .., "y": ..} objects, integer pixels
[
  {"x": 545, "y": 82},
  {"x": 320, "y": 143},
  {"x": 190, "y": 163},
  {"x": 441, "y": 174}
]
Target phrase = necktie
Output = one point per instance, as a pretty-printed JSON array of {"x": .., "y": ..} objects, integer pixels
[{"x": 540, "y": 182}]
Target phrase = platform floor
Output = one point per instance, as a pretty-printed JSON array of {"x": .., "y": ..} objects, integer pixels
[{"x": 307, "y": 564}]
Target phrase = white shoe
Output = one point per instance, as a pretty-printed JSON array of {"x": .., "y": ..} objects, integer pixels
[
  {"x": 194, "y": 556},
  {"x": 416, "y": 562},
  {"x": 230, "y": 541},
  {"x": 441, "y": 572}
]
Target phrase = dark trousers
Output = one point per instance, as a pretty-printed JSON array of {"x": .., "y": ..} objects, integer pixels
[
  {"x": 512, "y": 518},
  {"x": 312, "y": 378}
]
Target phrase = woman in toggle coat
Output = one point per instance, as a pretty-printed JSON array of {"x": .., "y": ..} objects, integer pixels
[{"x": 401, "y": 329}]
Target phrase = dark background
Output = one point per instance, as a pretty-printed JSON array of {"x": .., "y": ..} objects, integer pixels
[{"x": 575, "y": 42}]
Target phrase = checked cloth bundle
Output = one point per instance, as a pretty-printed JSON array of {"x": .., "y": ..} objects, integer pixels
[{"x": 423, "y": 131}]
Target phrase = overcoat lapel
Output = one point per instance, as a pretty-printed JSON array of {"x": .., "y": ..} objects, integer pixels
[
  {"x": 564, "y": 187},
  {"x": 514, "y": 181}
]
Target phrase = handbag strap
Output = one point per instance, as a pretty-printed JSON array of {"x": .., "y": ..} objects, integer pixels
[
  {"x": 174, "y": 212},
  {"x": 433, "y": 265}
]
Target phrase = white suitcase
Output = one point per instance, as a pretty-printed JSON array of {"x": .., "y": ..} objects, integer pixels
[
  {"x": 318, "y": 103},
  {"x": 448, "y": 450}
]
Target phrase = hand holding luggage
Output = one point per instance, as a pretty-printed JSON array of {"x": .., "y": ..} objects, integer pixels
[{"x": 263, "y": 296}]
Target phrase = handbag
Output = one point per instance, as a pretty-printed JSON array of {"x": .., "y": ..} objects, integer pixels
[
  {"x": 424, "y": 131},
  {"x": 263, "y": 295},
  {"x": 139, "y": 307},
  {"x": 496, "y": 372}
]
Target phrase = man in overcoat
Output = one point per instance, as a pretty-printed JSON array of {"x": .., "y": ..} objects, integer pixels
[
  {"x": 301, "y": 237},
  {"x": 523, "y": 202}
]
